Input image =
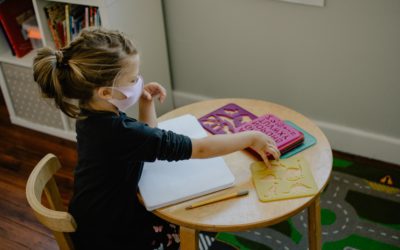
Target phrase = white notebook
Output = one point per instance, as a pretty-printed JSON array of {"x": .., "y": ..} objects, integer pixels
[{"x": 165, "y": 183}]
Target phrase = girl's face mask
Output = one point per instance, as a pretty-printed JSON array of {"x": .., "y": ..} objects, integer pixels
[{"x": 132, "y": 94}]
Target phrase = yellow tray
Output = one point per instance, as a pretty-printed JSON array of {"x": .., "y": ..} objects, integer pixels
[{"x": 286, "y": 179}]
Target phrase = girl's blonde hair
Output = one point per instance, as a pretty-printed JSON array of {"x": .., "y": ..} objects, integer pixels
[{"x": 94, "y": 59}]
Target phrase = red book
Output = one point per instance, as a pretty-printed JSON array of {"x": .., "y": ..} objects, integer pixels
[
  {"x": 12, "y": 15},
  {"x": 285, "y": 136}
]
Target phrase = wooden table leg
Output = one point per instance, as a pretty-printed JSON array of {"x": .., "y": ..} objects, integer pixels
[
  {"x": 189, "y": 238},
  {"x": 314, "y": 225}
]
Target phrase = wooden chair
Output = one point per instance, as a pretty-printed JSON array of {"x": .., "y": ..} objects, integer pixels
[{"x": 56, "y": 218}]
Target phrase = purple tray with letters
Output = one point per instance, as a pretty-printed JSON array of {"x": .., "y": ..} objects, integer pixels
[
  {"x": 226, "y": 119},
  {"x": 285, "y": 136}
]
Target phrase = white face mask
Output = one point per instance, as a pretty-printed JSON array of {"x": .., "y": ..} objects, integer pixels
[{"x": 132, "y": 94}]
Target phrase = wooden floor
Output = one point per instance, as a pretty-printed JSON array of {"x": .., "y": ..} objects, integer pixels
[{"x": 20, "y": 150}]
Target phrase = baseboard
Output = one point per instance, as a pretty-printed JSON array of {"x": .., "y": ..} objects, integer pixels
[
  {"x": 359, "y": 142},
  {"x": 346, "y": 139}
]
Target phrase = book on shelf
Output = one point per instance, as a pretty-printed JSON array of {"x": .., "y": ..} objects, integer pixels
[
  {"x": 54, "y": 12},
  {"x": 65, "y": 21},
  {"x": 12, "y": 15},
  {"x": 2, "y": 31}
]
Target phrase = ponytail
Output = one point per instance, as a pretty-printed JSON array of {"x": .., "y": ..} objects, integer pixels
[{"x": 47, "y": 68}]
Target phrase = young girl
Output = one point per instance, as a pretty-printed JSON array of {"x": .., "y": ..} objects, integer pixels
[{"x": 94, "y": 79}]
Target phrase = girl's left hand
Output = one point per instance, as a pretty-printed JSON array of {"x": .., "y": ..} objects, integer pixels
[{"x": 153, "y": 89}]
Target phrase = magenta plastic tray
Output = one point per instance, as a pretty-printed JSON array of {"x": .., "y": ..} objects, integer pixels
[{"x": 225, "y": 119}]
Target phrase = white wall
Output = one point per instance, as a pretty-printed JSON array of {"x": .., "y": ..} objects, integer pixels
[
  {"x": 338, "y": 65},
  {"x": 142, "y": 20}
]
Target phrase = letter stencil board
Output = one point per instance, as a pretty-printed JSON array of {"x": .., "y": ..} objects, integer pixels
[
  {"x": 285, "y": 136},
  {"x": 287, "y": 178}
]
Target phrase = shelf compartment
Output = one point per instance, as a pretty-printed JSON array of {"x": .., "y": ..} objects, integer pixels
[{"x": 26, "y": 98}]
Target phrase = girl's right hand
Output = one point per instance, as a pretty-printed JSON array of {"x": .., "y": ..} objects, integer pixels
[
  {"x": 153, "y": 89},
  {"x": 264, "y": 144}
]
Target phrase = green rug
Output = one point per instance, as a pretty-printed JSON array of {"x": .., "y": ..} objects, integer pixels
[{"x": 360, "y": 210}]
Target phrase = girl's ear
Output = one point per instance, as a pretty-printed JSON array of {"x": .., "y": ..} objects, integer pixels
[{"x": 104, "y": 93}]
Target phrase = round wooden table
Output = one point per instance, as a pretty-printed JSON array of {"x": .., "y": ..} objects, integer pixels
[{"x": 249, "y": 212}]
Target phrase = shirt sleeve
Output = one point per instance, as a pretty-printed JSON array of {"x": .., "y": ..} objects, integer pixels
[{"x": 140, "y": 142}]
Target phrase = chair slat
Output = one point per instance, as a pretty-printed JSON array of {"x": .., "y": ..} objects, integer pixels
[{"x": 57, "y": 219}]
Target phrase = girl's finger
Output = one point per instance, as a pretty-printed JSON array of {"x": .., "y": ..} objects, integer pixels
[
  {"x": 146, "y": 95},
  {"x": 263, "y": 155},
  {"x": 271, "y": 142},
  {"x": 277, "y": 154},
  {"x": 265, "y": 159},
  {"x": 267, "y": 163},
  {"x": 162, "y": 97},
  {"x": 274, "y": 152},
  {"x": 163, "y": 94}
]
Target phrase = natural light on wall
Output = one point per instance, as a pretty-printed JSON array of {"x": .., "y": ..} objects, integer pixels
[{"x": 320, "y": 3}]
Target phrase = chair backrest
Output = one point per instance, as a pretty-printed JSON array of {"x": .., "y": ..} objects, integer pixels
[{"x": 56, "y": 218}]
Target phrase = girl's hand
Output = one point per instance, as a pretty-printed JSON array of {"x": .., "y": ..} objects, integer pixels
[
  {"x": 153, "y": 89},
  {"x": 263, "y": 144}
]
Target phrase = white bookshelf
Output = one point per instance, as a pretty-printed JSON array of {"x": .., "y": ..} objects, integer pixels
[
  {"x": 25, "y": 61},
  {"x": 141, "y": 20}
]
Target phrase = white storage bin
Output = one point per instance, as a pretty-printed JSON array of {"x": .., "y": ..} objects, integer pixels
[{"x": 31, "y": 29}]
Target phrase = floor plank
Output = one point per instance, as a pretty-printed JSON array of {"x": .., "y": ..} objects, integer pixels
[
  {"x": 24, "y": 236},
  {"x": 7, "y": 244},
  {"x": 14, "y": 206}
]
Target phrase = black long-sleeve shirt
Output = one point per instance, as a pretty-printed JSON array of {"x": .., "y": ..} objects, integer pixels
[{"x": 111, "y": 152}]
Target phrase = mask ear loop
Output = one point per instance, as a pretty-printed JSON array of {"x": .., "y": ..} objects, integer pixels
[
  {"x": 138, "y": 78},
  {"x": 114, "y": 81}
]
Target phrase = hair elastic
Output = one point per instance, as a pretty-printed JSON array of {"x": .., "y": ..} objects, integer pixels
[{"x": 60, "y": 59}]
